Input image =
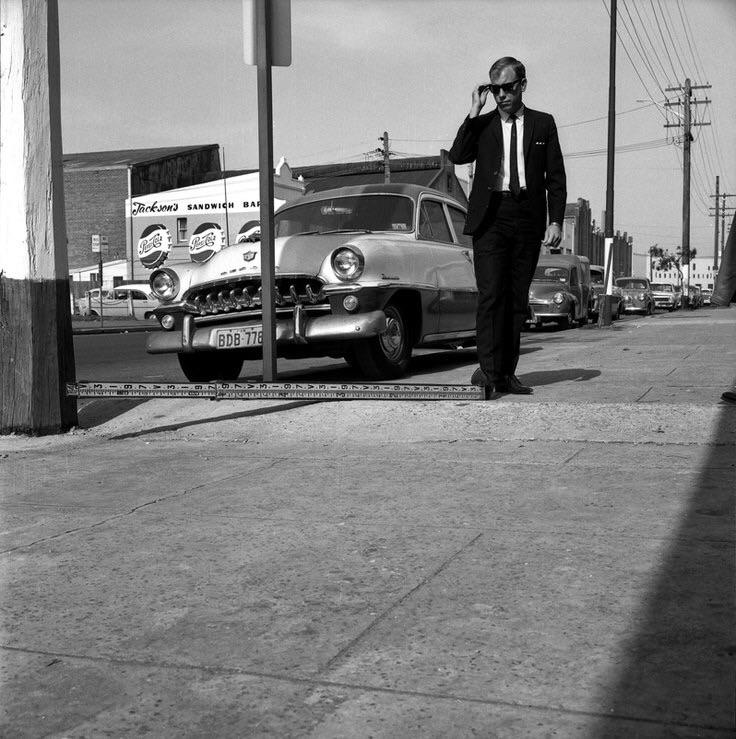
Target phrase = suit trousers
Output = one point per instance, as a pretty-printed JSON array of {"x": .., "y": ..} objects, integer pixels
[{"x": 505, "y": 253}]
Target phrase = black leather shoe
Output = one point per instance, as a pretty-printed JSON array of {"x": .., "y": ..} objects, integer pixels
[
  {"x": 481, "y": 379},
  {"x": 511, "y": 384}
]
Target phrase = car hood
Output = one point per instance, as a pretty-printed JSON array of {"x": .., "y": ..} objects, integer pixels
[{"x": 545, "y": 290}]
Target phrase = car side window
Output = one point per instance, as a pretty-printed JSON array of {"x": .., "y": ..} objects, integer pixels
[
  {"x": 138, "y": 295},
  {"x": 573, "y": 278},
  {"x": 432, "y": 222},
  {"x": 458, "y": 221}
]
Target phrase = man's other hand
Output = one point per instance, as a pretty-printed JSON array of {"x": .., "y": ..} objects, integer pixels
[{"x": 553, "y": 236}]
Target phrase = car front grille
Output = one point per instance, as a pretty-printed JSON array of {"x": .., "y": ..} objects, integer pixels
[{"x": 246, "y": 294}]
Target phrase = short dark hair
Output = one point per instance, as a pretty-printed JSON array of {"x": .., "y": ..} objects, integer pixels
[{"x": 508, "y": 61}]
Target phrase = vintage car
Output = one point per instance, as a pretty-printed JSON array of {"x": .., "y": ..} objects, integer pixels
[
  {"x": 560, "y": 291},
  {"x": 637, "y": 295},
  {"x": 135, "y": 300},
  {"x": 664, "y": 296},
  {"x": 366, "y": 273},
  {"x": 598, "y": 288},
  {"x": 707, "y": 295}
]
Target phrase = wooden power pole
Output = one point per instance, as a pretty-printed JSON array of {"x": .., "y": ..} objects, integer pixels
[{"x": 36, "y": 351}]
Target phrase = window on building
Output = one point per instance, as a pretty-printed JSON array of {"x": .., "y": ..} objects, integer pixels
[{"x": 181, "y": 230}]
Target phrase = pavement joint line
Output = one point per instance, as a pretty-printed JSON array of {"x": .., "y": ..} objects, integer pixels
[
  {"x": 651, "y": 387},
  {"x": 343, "y": 685},
  {"x": 381, "y": 616},
  {"x": 124, "y": 514}
]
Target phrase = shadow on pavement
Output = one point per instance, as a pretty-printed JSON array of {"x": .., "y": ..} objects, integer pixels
[
  {"x": 212, "y": 419},
  {"x": 552, "y": 376},
  {"x": 679, "y": 667},
  {"x": 93, "y": 412}
]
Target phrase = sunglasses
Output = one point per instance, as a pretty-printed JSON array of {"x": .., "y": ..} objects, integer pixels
[{"x": 495, "y": 89}]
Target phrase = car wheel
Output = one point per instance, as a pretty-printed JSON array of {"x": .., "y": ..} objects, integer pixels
[
  {"x": 567, "y": 321},
  {"x": 386, "y": 356},
  {"x": 206, "y": 366}
]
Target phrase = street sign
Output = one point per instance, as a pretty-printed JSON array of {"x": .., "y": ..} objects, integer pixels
[
  {"x": 96, "y": 243},
  {"x": 279, "y": 21}
]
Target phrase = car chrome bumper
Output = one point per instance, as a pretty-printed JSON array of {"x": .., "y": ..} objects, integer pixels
[{"x": 299, "y": 329}]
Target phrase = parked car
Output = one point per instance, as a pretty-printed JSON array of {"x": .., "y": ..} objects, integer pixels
[
  {"x": 637, "y": 293},
  {"x": 664, "y": 296},
  {"x": 366, "y": 273},
  {"x": 560, "y": 290},
  {"x": 598, "y": 289},
  {"x": 135, "y": 300},
  {"x": 707, "y": 295}
]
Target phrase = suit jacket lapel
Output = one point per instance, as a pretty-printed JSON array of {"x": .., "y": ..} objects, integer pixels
[{"x": 496, "y": 129}]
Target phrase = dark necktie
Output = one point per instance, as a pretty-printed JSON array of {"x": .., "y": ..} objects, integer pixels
[{"x": 513, "y": 163}]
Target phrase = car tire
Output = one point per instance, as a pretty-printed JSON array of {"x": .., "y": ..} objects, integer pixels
[
  {"x": 567, "y": 321},
  {"x": 207, "y": 366},
  {"x": 387, "y": 356}
]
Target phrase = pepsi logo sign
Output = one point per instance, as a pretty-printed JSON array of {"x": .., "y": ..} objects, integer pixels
[
  {"x": 154, "y": 245},
  {"x": 205, "y": 242}
]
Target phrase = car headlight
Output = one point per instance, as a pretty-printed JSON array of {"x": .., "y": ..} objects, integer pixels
[
  {"x": 348, "y": 263},
  {"x": 164, "y": 284},
  {"x": 558, "y": 298}
]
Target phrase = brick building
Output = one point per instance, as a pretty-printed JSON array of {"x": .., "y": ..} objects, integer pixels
[{"x": 96, "y": 185}]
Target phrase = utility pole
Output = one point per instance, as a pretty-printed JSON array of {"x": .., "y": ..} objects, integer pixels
[
  {"x": 714, "y": 213},
  {"x": 687, "y": 125},
  {"x": 36, "y": 349},
  {"x": 604, "y": 311},
  {"x": 386, "y": 154}
]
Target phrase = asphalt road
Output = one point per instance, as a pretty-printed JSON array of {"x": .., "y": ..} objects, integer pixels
[{"x": 123, "y": 357}]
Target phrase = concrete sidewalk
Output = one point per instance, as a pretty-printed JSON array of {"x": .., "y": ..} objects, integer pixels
[{"x": 554, "y": 565}]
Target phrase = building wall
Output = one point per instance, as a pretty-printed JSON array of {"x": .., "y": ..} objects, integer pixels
[
  {"x": 189, "y": 168},
  {"x": 95, "y": 204}
]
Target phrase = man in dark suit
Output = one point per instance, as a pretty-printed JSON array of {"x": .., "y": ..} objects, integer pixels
[{"x": 519, "y": 179}]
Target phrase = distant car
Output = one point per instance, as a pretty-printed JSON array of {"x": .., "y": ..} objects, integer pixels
[
  {"x": 707, "y": 295},
  {"x": 118, "y": 301},
  {"x": 365, "y": 272},
  {"x": 637, "y": 295},
  {"x": 664, "y": 296},
  {"x": 598, "y": 289},
  {"x": 560, "y": 291}
]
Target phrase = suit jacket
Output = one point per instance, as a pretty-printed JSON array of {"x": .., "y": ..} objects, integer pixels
[{"x": 480, "y": 139}]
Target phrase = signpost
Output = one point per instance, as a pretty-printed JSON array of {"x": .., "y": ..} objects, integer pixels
[
  {"x": 97, "y": 243},
  {"x": 267, "y": 41}
]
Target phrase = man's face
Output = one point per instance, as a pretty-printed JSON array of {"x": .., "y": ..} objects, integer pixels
[{"x": 508, "y": 100}]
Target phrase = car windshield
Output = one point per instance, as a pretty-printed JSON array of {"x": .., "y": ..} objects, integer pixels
[
  {"x": 662, "y": 287},
  {"x": 629, "y": 284},
  {"x": 551, "y": 274},
  {"x": 351, "y": 213},
  {"x": 596, "y": 277}
]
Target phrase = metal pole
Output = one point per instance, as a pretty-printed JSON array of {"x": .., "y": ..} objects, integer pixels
[
  {"x": 686, "y": 185},
  {"x": 604, "y": 313},
  {"x": 265, "y": 166}
]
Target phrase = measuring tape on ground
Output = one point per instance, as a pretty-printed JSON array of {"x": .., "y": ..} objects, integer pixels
[{"x": 273, "y": 391}]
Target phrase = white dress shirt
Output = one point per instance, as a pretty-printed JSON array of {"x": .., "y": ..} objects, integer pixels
[{"x": 504, "y": 176}]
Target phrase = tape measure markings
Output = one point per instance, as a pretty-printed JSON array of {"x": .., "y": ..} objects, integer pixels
[{"x": 274, "y": 391}]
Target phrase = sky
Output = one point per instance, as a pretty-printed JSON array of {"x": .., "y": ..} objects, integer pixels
[{"x": 137, "y": 73}]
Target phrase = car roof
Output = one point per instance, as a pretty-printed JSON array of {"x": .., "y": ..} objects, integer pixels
[
  {"x": 560, "y": 259},
  {"x": 388, "y": 188},
  {"x": 134, "y": 286}
]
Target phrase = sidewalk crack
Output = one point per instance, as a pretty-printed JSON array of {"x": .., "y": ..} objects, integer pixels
[{"x": 382, "y": 616}]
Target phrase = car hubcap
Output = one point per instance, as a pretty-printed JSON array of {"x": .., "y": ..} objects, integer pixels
[{"x": 392, "y": 340}]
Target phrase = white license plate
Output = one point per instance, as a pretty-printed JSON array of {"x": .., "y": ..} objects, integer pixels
[{"x": 239, "y": 338}]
